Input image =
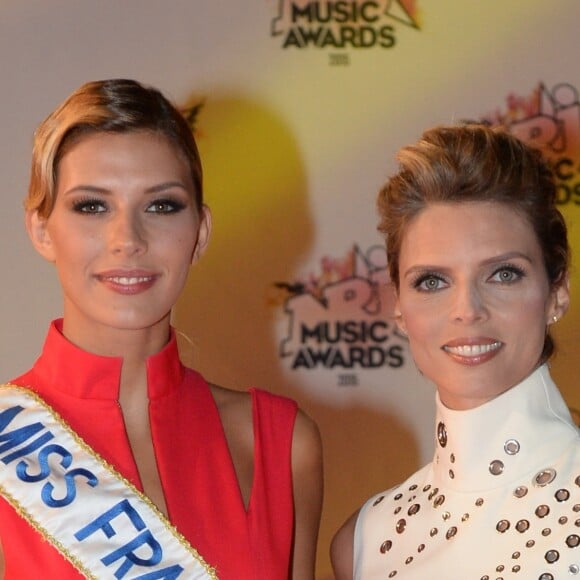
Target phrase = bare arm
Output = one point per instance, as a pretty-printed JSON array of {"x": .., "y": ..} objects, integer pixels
[
  {"x": 342, "y": 548},
  {"x": 308, "y": 486}
]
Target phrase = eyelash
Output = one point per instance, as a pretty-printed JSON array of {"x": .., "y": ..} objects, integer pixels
[
  {"x": 94, "y": 206},
  {"x": 512, "y": 269},
  {"x": 418, "y": 283},
  {"x": 87, "y": 205},
  {"x": 422, "y": 278}
]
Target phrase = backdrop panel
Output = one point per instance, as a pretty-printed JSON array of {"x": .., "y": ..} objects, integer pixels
[{"x": 301, "y": 107}]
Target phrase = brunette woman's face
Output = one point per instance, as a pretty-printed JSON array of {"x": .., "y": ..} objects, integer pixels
[
  {"x": 123, "y": 232},
  {"x": 474, "y": 299}
]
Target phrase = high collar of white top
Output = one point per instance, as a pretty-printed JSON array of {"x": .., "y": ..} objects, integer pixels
[{"x": 518, "y": 434}]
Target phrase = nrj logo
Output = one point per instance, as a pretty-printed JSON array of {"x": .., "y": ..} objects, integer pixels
[
  {"x": 550, "y": 120},
  {"x": 342, "y": 318},
  {"x": 342, "y": 24}
]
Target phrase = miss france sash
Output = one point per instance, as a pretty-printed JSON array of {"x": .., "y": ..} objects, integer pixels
[{"x": 90, "y": 513}]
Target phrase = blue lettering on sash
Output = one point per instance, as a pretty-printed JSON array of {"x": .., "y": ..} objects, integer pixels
[
  {"x": 145, "y": 538},
  {"x": 15, "y": 438},
  {"x": 71, "y": 490},
  {"x": 12, "y": 439}
]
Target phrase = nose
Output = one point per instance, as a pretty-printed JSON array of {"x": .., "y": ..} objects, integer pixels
[
  {"x": 468, "y": 304},
  {"x": 127, "y": 234}
]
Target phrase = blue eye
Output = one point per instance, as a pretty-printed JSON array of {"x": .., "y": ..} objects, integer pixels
[
  {"x": 507, "y": 274},
  {"x": 429, "y": 283},
  {"x": 91, "y": 206}
]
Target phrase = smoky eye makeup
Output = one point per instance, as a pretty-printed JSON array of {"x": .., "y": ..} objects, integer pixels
[{"x": 89, "y": 205}]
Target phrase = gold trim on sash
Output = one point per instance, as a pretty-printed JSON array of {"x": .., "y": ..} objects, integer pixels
[{"x": 27, "y": 393}]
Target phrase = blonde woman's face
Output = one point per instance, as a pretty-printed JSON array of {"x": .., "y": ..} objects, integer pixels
[
  {"x": 123, "y": 232},
  {"x": 474, "y": 299}
]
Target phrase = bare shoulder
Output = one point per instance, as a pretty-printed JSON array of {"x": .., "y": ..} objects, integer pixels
[
  {"x": 342, "y": 549},
  {"x": 231, "y": 401},
  {"x": 306, "y": 443}
]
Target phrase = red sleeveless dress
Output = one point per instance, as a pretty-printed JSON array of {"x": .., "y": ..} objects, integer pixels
[{"x": 197, "y": 474}]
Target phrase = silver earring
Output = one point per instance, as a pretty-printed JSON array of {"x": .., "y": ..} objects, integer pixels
[{"x": 554, "y": 319}]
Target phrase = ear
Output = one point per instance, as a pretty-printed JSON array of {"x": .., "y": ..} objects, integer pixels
[
  {"x": 203, "y": 234},
  {"x": 559, "y": 301},
  {"x": 37, "y": 229},
  {"x": 399, "y": 316}
]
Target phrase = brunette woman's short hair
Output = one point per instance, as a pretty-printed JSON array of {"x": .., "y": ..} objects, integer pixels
[{"x": 475, "y": 162}]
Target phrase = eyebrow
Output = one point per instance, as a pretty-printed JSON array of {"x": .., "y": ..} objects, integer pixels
[
  {"x": 161, "y": 187},
  {"x": 488, "y": 261}
]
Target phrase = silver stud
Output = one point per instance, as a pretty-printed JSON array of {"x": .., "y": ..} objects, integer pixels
[
  {"x": 385, "y": 546},
  {"x": 414, "y": 509},
  {"x": 442, "y": 434},
  {"x": 451, "y": 474},
  {"x": 451, "y": 532},
  {"x": 546, "y": 532},
  {"x": 576, "y": 507},
  {"x": 574, "y": 569},
  {"x": 398, "y": 496},
  {"x": 500, "y": 568},
  {"x": 516, "y": 555},
  {"x": 542, "y": 511},
  {"x": 433, "y": 532},
  {"x": 378, "y": 500},
  {"x": 502, "y": 526},
  {"x": 401, "y": 525},
  {"x": 479, "y": 502},
  {"x": 393, "y": 574},
  {"x": 545, "y": 477},
  {"x": 420, "y": 548},
  {"x": 522, "y": 526},
  {"x": 552, "y": 556},
  {"x": 486, "y": 577},
  {"x": 546, "y": 576},
  {"x": 439, "y": 500},
  {"x": 409, "y": 560},
  {"x": 413, "y": 487},
  {"x": 452, "y": 458},
  {"x": 397, "y": 510},
  {"x": 562, "y": 520},
  {"x": 445, "y": 516},
  {"x": 427, "y": 487},
  {"x": 520, "y": 491},
  {"x": 511, "y": 447},
  {"x": 516, "y": 569},
  {"x": 573, "y": 541},
  {"x": 496, "y": 467},
  {"x": 562, "y": 495},
  {"x": 530, "y": 543},
  {"x": 464, "y": 517},
  {"x": 577, "y": 481}
]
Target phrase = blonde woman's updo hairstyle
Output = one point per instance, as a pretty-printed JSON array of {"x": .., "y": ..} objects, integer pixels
[
  {"x": 108, "y": 106},
  {"x": 473, "y": 162}
]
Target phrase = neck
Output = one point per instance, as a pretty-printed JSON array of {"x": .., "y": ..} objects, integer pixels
[{"x": 134, "y": 346}]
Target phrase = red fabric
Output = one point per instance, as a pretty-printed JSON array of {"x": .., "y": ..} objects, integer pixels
[{"x": 201, "y": 490}]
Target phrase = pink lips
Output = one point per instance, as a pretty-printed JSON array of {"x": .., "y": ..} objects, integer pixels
[
  {"x": 127, "y": 282},
  {"x": 473, "y": 350}
]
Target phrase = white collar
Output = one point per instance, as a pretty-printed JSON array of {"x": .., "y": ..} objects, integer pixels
[{"x": 518, "y": 433}]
